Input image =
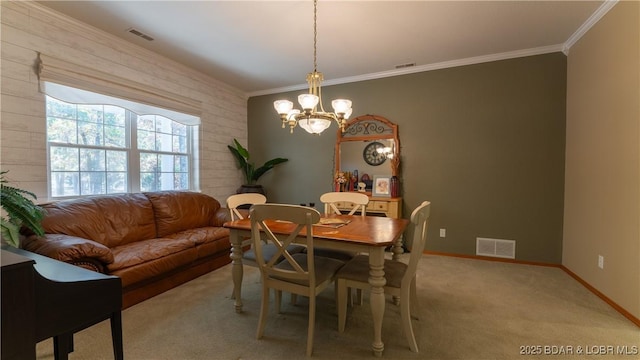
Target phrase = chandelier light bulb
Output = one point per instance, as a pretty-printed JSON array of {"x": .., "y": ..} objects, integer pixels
[
  {"x": 314, "y": 125},
  {"x": 308, "y": 101},
  {"x": 283, "y": 107},
  {"x": 341, "y": 106}
]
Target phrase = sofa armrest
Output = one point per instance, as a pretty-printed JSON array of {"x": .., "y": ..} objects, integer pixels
[
  {"x": 70, "y": 249},
  {"x": 221, "y": 216}
]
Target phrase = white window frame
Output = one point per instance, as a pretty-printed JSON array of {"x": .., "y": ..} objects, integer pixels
[
  {"x": 80, "y": 84},
  {"x": 133, "y": 156}
]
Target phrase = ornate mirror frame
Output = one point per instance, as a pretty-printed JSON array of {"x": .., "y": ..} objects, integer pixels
[{"x": 369, "y": 128}]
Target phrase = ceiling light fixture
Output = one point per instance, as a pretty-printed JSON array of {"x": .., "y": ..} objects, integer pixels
[{"x": 310, "y": 119}]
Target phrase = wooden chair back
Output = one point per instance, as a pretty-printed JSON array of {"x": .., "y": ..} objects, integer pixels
[
  {"x": 236, "y": 200},
  {"x": 304, "y": 218},
  {"x": 359, "y": 201},
  {"x": 420, "y": 221}
]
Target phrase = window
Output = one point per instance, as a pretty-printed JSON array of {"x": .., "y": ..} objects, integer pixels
[{"x": 105, "y": 149}]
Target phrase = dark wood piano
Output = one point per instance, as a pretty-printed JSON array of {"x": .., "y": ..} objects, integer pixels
[{"x": 44, "y": 298}]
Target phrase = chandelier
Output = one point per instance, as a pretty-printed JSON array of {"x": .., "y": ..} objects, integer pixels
[{"x": 311, "y": 119}]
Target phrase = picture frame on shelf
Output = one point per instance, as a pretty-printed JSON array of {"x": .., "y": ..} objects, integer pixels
[{"x": 381, "y": 186}]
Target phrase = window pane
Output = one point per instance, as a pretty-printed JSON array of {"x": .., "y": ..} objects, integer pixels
[
  {"x": 60, "y": 109},
  {"x": 61, "y": 130},
  {"x": 148, "y": 162},
  {"x": 116, "y": 182},
  {"x": 146, "y": 140},
  {"x": 92, "y": 183},
  {"x": 92, "y": 160},
  {"x": 164, "y": 142},
  {"x": 64, "y": 184},
  {"x": 114, "y": 115},
  {"x": 180, "y": 144},
  {"x": 166, "y": 163},
  {"x": 90, "y": 133},
  {"x": 163, "y": 125},
  {"x": 181, "y": 164},
  {"x": 148, "y": 181},
  {"x": 166, "y": 181},
  {"x": 179, "y": 129},
  {"x": 117, "y": 161},
  {"x": 181, "y": 181},
  {"x": 115, "y": 136},
  {"x": 90, "y": 113},
  {"x": 146, "y": 122},
  {"x": 64, "y": 159}
]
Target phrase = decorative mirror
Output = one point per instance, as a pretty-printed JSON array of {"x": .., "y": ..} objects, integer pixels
[{"x": 368, "y": 147}]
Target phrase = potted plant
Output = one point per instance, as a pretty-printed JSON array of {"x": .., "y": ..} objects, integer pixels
[
  {"x": 19, "y": 211},
  {"x": 249, "y": 169}
]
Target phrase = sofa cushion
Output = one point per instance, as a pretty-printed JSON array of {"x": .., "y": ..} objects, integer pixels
[
  {"x": 146, "y": 250},
  {"x": 111, "y": 220},
  {"x": 202, "y": 235},
  {"x": 156, "y": 268},
  {"x": 177, "y": 211}
]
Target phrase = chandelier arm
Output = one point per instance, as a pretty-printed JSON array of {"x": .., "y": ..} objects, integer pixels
[{"x": 312, "y": 120}]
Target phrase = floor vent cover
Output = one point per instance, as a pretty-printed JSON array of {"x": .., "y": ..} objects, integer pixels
[{"x": 496, "y": 248}]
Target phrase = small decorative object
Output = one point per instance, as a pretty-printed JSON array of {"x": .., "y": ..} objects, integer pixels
[
  {"x": 362, "y": 187},
  {"x": 340, "y": 180},
  {"x": 20, "y": 212},
  {"x": 381, "y": 186},
  {"x": 395, "y": 186},
  {"x": 373, "y": 153},
  {"x": 367, "y": 181},
  {"x": 249, "y": 169}
]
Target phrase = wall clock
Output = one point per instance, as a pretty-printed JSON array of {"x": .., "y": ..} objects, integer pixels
[{"x": 371, "y": 155}]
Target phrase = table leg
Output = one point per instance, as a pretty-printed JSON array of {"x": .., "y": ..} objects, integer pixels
[
  {"x": 236, "y": 268},
  {"x": 397, "y": 249},
  {"x": 377, "y": 282}
]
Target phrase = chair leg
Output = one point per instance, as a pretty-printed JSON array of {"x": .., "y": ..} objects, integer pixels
[
  {"x": 415, "y": 309},
  {"x": 312, "y": 322},
  {"x": 264, "y": 309},
  {"x": 359, "y": 297},
  {"x": 278, "y": 301},
  {"x": 341, "y": 298},
  {"x": 406, "y": 320}
]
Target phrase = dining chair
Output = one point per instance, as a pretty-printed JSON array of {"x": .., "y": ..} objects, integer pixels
[
  {"x": 358, "y": 200},
  {"x": 301, "y": 273},
  {"x": 400, "y": 276},
  {"x": 233, "y": 203}
]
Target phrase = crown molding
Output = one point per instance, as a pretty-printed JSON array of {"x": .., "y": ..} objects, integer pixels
[
  {"x": 421, "y": 68},
  {"x": 592, "y": 20}
]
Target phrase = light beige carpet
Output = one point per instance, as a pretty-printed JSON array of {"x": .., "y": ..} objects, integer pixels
[{"x": 470, "y": 309}]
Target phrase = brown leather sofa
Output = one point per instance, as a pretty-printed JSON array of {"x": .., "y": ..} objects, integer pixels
[{"x": 153, "y": 241}]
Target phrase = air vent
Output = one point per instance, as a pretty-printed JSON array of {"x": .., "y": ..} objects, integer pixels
[
  {"x": 139, "y": 34},
  {"x": 496, "y": 248},
  {"x": 401, "y": 66}
]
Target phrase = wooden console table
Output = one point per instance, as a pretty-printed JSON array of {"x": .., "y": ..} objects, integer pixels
[
  {"x": 44, "y": 298},
  {"x": 390, "y": 207}
]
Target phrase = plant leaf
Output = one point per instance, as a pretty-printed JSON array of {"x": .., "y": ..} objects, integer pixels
[{"x": 267, "y": 166}]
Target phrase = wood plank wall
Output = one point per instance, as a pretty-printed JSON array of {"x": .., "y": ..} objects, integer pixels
[{"x": 29, "y": 28}]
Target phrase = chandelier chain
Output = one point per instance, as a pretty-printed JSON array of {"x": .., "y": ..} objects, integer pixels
[{"x": 315, "y": 35}]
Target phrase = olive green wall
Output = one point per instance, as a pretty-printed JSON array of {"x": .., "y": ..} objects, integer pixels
[{"x": 484, "y": 143}]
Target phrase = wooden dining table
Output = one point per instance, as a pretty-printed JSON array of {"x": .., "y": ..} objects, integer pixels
[{"x": 368, "y": 234}]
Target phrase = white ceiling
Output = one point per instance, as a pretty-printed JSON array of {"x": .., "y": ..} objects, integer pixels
[{"x": 267, "y": 46}]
